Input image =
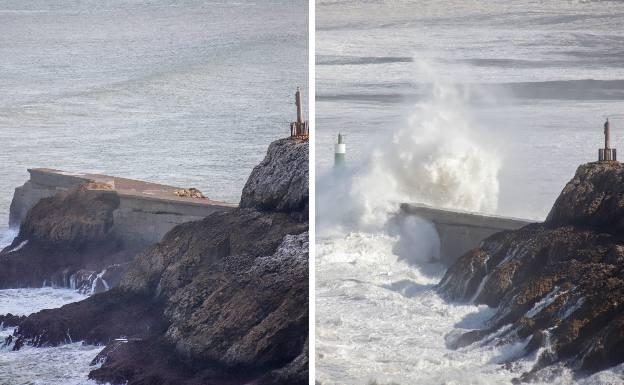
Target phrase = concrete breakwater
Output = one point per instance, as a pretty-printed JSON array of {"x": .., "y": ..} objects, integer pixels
[
  {"x": 461, "y": 231},
  {"x": 146, "y": 212}
]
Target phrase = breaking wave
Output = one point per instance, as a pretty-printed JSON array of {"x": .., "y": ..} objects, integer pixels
[{"x": 436, "y": 158}]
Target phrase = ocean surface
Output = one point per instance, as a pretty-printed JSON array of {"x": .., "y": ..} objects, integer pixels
[
  {"x": 534, "y": 81},
  {"x": 68, "y": 364},
  {"x": 485, "y": 106},
  {"x": 182, "y": 92}
]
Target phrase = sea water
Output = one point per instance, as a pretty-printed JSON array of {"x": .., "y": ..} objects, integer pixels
[
  {"x": 184, "y": 92},
  {"x": 537, "y": 80},
  {"x": 68, "y": 364},
  {"x": 380, "y": 319},
  {"x": 187, "y": 93},
  {"x": 484, "y": 106}
]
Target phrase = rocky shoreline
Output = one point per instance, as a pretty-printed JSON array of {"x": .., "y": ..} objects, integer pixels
[
  {"x": 66, "y": 241},
  {"x": 223, "y": 300},
  {"x": 558, "y": 285}
]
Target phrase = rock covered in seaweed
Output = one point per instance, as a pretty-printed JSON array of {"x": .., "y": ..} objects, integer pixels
[
  {"x": 280, "y": 181},
  {"x": 558, "y": 284}
]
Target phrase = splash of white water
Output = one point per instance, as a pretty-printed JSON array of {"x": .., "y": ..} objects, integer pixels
[
  {"x": 7, "y": 237},
  {"x": 436, "y": 158},
  {"x": 378, "y": 317},
  {"x": 67, "y": 364}
]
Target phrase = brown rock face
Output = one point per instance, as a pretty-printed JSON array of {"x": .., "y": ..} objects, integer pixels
[
  {"x": 62, "y": 235},
  {"x": 219, "y": 297},
  {"x": 223, "y": 300},
  {"x": 280, "y": 181},
  {"x": 558, "y": 283}
]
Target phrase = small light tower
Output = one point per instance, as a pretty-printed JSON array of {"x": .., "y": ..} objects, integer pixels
[
  {"x": 340, "y": 151},
  {"x": 299, "y": 129},
  {"x": 607, "y": 154}
]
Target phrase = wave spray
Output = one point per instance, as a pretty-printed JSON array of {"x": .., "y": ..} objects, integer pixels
[{"x": 435, "y": 158}]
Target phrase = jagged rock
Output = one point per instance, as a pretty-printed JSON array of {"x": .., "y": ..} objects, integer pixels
[
  {"x": 220, "y": 300},
  {"x": 294, "y": 373},
  {"x": 92, "y": 282},
  {"x": 98, "y": 319},
  {"x": 227, "y": 294},
  {"x": 78, "y": 219},
  {"x": 280, "y": 181},
  {"x": 61, "y": 235},
  {"x": 10, "y": 320},
  {"x": 24, "y": 198},
  {"x": 593, "y": 198},
  {"x": 559, "y": 283}
]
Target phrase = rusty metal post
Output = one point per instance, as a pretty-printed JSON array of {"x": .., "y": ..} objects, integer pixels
[
  {"x": 299, "y": 103},
  {"x": 607, "y": 153},
  {"x": 607, "y": 134}
]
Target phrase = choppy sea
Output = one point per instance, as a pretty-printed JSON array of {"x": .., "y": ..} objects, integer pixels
[
  {"x": 182, "y": 92},
  {"x": 485, "y": 106}
]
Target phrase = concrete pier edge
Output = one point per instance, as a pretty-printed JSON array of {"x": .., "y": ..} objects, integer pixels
[
  {"x": 461, "y": 231},
  {"x": 147, "y": 211}
]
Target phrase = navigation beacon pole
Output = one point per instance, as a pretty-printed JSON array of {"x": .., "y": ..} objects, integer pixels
[
  {"x": 607, "y": 154},
  {"x": 340, "y": 151},
  {"x": 299, "y": 129}
]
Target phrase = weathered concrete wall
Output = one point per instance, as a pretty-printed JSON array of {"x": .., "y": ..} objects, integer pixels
[
  {"x": 147, "y": 220},
  {"x": 461, "y": 231},
  {"x": 147, "y": 211}
]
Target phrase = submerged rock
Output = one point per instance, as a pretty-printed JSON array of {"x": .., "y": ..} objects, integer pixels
[{"x": 558, "y": 284}]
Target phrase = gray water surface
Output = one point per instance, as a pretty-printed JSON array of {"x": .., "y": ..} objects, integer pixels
[{"x": 187, "y": 93}]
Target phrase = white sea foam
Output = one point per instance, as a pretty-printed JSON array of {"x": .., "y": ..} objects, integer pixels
[
  {"x": 7, "y": 236},
  {"x": 18, "y": 247},
  {"x": 435, "y": 158},
  {"x": 378, "y": 317},
  {"x": 27, "y": 301},
  {"x": 63, "y": 365}
]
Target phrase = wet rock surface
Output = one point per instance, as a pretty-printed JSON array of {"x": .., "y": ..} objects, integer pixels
[
  {"x": 280, "y": 181},
  {"x": 98, "y": 319},
  {"x": 62, "y": 235},
  {"x": 9, "y": 319},
  {"x": 223, "y": 300},
  {"x": 218, "y": 297},
  {"x": 558, "y": 285}
]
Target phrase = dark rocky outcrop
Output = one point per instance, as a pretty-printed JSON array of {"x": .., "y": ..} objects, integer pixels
[
  {"x": 63, "y": 234},
  {"x": 286, "y": 167},
  {"x": 11, "y": 320},
  {"x": 559, "y": 284},
  {"x": 223, "y": 300}
]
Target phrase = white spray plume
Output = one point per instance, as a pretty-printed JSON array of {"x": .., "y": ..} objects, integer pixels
[{"x": 435, "y": 158}]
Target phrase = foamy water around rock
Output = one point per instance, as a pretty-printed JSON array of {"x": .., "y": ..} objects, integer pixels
[
  {"x": 62, "y": 365},
  {"x": 379, "y": 319}
]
